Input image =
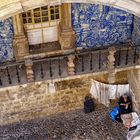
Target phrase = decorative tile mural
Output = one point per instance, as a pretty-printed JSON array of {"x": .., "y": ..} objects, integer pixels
[
  {"x": 136, "y": 31},
  {"x": 6, "y": 38},
  {"x": 97, "y": 25}
]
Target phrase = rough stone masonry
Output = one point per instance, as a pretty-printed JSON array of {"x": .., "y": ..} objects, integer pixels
[{"x": 33, "y": 100}]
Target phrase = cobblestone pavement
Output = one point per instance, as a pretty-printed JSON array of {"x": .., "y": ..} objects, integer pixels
[{"x": 73, "y": 125}]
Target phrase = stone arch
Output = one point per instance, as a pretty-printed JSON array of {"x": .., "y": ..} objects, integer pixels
[{"x": 12, "y": 7}]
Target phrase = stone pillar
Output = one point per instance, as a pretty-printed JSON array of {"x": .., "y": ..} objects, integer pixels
[
  {"x": 71, "y": 65},
  {"x": 66, "y": 33},
  {"x": 134, "y": 82},
  {"x": 20, "y": 42},
  {"x": 29, "y": 70},
  {"x": 111, "y": 64}
]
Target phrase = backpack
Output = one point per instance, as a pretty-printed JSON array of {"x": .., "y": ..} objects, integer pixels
[{"x": 113, "y": 113}]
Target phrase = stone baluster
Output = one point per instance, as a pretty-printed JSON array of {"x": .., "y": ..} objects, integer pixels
[
  {"x": 71, "y": 65},
  {"x": 111, "y": 64},
  {"x": 20, "y": 41},
  {"x": 29, "y": 70},
  {"x": 66, "y": 33}
]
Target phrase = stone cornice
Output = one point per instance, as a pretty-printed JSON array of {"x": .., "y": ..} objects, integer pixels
[{"x": 12, "y": 7}]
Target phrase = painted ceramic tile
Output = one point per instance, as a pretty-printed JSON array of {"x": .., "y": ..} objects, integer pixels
[
  {"x": 97, "y": 25},
  {"x": 6, "y": 38}
]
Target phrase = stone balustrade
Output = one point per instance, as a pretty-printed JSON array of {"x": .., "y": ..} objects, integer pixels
[{"x": 73, "y": 64}]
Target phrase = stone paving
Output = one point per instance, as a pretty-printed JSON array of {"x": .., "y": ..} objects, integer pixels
[{"x": 73, "y": 125}]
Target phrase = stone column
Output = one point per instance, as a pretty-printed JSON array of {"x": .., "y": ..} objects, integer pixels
[
  {"x": 66, "y": 33},
  {"x": 71, "y": 65},
  {"x": 111, "y": 64},
  {"x": 134, "y": 82},
  {"x": 29, "y": 70},
  {"x": 20, "y": 42}
]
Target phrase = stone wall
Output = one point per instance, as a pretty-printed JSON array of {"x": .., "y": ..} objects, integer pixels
[{"x": 34, "y": 100}]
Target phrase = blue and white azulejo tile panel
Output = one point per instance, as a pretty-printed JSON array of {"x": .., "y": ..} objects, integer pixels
[
  {"x": 6, "y": 39},
  {"x": 97, "y": 25}
]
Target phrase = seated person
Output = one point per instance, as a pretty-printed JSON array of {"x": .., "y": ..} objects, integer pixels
[
  {"x": 125, "y": 104},
  {"x": 88, "y": 104}
]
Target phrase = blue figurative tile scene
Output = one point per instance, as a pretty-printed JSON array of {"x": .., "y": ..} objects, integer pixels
[
  {"x": 6, "y": 39},
  {"x": 98, "y": 25}
]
